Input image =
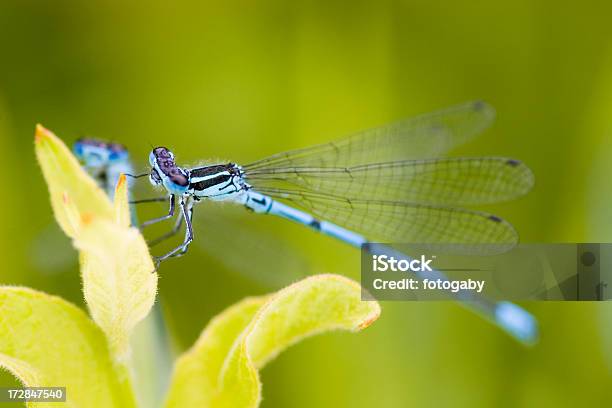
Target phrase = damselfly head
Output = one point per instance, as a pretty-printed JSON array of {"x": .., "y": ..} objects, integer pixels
[
  {"x": 160, "y": 154},
  {"x": 165, "y": 171},
  {"x": 98, "y": 153}
]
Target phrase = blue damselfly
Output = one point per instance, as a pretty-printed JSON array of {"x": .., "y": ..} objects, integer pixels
[
  {"x": 383, "y": 185},
  {"x": 105, "y": 161}
]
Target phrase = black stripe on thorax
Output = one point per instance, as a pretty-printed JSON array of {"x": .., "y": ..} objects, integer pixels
[
  {"x": 209, "y": 170},
  {"x": 204, "y": 184}
]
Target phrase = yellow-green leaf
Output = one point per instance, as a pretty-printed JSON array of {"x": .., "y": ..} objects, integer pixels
[
  {"x": 196, "y": 371},
  {"x": 118, "y": 280},
  {"x": 221, "y": 368},
  {"x": 47, "y": 342},
  {"x": 65, "y": 177}
]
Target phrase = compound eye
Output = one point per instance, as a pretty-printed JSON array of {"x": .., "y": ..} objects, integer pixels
[
  {"x": 78, "y": 150},
  {"x": 154, "y": 177}
]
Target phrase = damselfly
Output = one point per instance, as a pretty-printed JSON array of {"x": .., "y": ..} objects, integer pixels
[
  {"x": 105, "y": 161},
  {"x": 386, "y": 184}
]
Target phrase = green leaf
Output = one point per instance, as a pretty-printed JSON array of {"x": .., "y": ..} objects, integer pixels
[
  {"x": 221, "y": 368},
  {"x": 47, "y": 342}
]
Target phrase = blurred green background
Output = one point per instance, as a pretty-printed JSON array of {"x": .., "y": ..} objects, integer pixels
[{"x": 245, "y": 79}]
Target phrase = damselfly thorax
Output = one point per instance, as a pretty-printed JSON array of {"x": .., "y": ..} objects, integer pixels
[{"x": 215, "y": 182}]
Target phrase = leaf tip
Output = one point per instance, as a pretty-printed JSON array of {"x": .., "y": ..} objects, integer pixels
[
  {"x": 121, "y": 181},
  {"x": 40, "y": 133},
  {"x": 371, "y": 318},
  {"x": 121, "y": 185}
]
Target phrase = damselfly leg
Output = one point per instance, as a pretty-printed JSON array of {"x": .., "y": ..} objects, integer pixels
[
  {"x": 188, "y": 229},
  {"x": 170, "y": 214},
  {"x": 175, "y": 229},
  {"x": 150, "y": 200},
  {"x": 187, "y": 213}
]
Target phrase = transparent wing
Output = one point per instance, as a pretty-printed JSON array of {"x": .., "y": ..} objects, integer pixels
[
  {"x": 420, "y": 137},
  {"x": 454, "y": 181},
  {"x": 462, "y": 231}
]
